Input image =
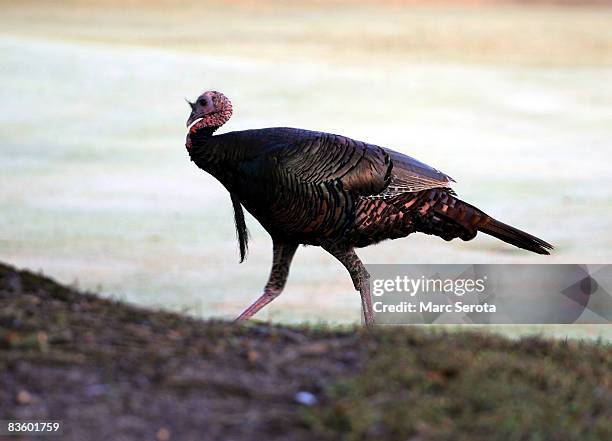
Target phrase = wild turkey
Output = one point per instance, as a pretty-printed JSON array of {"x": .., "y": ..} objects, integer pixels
[{"x": 321, "y": 189}]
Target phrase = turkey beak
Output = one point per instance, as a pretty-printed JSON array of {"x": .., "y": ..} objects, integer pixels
[
  {"x": 191, "y": 119},
  {"x": 194, "y": 116}
]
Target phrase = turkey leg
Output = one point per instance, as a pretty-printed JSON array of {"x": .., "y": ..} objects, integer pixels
[
  {"x": 281, "y": 261},
  {"x": 359, "y": 275}
]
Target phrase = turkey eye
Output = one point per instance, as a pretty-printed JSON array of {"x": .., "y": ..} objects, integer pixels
[{"x": 202, "y": 102}]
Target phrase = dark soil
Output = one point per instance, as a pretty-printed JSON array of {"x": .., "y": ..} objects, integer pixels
[{"x": 110, "y": 371}]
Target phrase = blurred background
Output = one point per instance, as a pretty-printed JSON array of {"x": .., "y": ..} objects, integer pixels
[{"x": 512, "y": 99}]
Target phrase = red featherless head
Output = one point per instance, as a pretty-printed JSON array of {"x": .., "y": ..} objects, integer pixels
[{"x": 211, "y": 109}]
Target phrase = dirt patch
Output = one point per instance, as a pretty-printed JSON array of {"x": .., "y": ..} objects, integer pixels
[{"x": 112, "y": 371}]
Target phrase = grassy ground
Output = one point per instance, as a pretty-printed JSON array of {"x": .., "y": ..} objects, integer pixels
[
  {"x": 337, "y": 32},
  {"x": 514, "y": 102},
  {"x": 111, "y": 371}
]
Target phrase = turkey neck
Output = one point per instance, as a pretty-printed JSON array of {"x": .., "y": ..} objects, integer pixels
[{"x": 214, "y": 154}]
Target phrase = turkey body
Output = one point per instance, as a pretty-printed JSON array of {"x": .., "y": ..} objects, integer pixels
[{"x": 313, "y": 187}]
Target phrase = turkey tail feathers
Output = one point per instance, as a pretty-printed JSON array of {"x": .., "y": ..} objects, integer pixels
[
  {"x": 471, "y": 220},
  {"x": 514, "y": 236},
  {"x": 241, "y": 229}
]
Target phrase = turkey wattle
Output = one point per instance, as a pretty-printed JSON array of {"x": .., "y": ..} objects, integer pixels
[{"x": 328, "y": 190}]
